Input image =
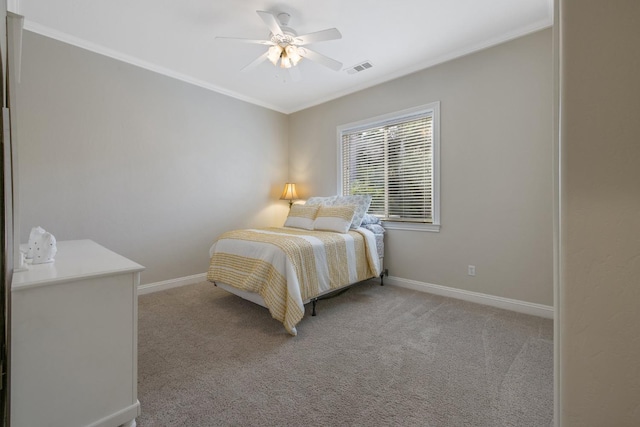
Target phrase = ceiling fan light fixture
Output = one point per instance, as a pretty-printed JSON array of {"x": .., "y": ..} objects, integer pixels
[
  {"x": 293, "y": 54},
  {"x": 287, "y": 47},
  {"x": 274, "y": 54},
  {"x": 285, "y": 62}
]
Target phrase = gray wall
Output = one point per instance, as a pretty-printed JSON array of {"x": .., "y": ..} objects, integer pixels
[
  {"x": 599, "y": 342},
  {"x": 155, "y": 168},
  {"x": 496, "y": 168},
  {"x": 148, "y": 166}
]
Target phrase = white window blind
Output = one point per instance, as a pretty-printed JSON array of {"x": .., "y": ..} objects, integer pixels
[{"x": 393, "y": 161}]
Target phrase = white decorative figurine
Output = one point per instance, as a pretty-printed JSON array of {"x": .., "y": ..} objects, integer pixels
[{"x": 42, "y": 246}]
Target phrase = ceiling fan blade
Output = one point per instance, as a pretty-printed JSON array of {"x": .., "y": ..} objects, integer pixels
[
  {"x": 319, "y": 58},
  {"x": 294, "y": 73},
  {"x": 271, "y": 22},
  {"x": 251, "y": 41},
  {"x": 319, "y": 36},
  {"x": 259, "y": 60}
]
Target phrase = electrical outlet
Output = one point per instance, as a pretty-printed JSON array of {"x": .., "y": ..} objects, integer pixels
[{"x": 471, "y": 270}]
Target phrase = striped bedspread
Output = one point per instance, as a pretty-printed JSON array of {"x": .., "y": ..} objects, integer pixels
[{"x": 289, "y": 266}]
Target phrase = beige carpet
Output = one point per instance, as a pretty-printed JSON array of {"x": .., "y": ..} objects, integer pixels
[{"x": 374, "y": 356}]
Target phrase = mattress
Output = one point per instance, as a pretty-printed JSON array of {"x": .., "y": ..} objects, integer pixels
[{"x": 287, "y": 267}]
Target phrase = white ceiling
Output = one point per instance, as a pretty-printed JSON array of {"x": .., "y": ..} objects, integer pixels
[{"x": 177, "y": 38}]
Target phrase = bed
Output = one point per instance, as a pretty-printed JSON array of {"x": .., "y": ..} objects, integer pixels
[{"x": 318, "y": 251}]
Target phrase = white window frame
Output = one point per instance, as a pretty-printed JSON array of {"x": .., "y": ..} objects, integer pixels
[{"x": 431, "y": 108}]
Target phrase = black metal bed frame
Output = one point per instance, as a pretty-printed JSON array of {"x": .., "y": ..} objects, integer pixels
[{"x": 341, "y": 291}]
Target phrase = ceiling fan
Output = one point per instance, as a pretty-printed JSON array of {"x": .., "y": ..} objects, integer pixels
[{"x": 287, "y": 47}]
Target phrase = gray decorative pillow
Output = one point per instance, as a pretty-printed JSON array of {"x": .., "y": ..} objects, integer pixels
[
  {"x": 374, "y": 228},
  {"x": 370, "y": 219},
  {"x": 322, "y": 201},
  {"x": 361, "y": 201}
]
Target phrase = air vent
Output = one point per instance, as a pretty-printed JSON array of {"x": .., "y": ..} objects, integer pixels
[{"x": 360, "y": 67}]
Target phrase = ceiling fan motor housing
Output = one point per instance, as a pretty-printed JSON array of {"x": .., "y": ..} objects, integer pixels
[{"x": 283, "y": 19}]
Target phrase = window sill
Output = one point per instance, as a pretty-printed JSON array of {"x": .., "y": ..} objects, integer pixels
[{"x": 411, "y": 226}]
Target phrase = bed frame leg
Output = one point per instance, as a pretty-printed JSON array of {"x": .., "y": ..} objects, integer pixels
[
  {"x": 385, "y": 272},
  {"x": 313, "y": 303}
]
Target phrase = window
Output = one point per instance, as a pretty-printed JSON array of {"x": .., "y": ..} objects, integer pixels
[{"x": 394, "y": 158}]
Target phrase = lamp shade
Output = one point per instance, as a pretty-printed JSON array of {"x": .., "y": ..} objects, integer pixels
[{"x": 289, "y": 192}]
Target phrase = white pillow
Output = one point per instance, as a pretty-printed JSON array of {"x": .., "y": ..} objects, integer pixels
[
  {"x": 361, "y": 201},
  {"x": 302, "y": 216},
  {"x": 334, "y": 218}
]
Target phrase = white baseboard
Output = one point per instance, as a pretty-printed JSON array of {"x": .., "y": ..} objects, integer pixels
[
  {"x": 476, "y": 297},
  {"x": 172, "y": 283},
  {"x": 494, "y": 301}
]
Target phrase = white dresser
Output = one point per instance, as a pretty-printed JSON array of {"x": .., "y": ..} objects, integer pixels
[{"x": 74, "y": 340}]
